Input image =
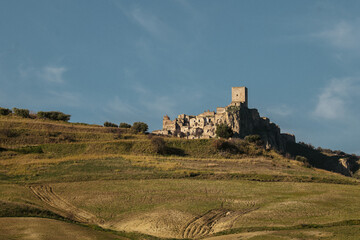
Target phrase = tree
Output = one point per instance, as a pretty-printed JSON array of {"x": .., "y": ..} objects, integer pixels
[
  {"x": 54, "y": 116},
  {"x": 224, "y": 131},
  {"x": 124, "y": 125},
  {"x": 110, "y": 124},
  {"x": 5, "y": 111},
  {"x": 25, "y": 113},
  {"x": 198, "y": 132},
  {"x": 140, "y": 127},
  {"x": 182, "y": 135}
]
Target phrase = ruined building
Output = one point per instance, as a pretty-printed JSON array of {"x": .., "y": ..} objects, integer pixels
[{"x": 243, "y": 121}]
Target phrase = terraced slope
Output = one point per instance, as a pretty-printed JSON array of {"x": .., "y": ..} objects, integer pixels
[{"x": 111, "y": 178}]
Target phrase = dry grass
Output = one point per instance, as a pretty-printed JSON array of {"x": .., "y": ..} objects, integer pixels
[
  {"x": 39, "y": 228},
  {"x": 117, "y": 176},
  {"x": 274, "y": 204},
  {"x": 338, "y": 232}
]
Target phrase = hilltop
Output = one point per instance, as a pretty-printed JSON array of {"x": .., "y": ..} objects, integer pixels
[{"x": 111, "y": 183}]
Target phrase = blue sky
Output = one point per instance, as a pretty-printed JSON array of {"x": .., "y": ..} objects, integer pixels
[{"x": 127, "y": 61}]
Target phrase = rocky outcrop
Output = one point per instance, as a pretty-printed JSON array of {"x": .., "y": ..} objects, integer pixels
[{"x": 245, "y": 121}]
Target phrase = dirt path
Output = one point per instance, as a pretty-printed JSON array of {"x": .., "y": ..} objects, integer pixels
[{"x": 46, "y": 194}]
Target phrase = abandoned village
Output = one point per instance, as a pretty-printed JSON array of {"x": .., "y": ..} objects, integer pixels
[{"x": 242, "y": 120}]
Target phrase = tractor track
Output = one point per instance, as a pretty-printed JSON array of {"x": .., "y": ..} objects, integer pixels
[
  {"x": 46, "y": 194},
  {"x": 203, "y": 225}
]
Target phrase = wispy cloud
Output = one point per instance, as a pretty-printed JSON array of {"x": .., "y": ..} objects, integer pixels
[
  {"x": 335, "y": 100},
  {"x": 342, "y": 35},
  {"x": 50, "y": 74},
  {"x": 53, "y": 74},
  {"x": 158, "y": 104},
  {"x": 148, "y": 21},
  {"x": 65, "y": 98},
  {"x": 118, "y": 106}
]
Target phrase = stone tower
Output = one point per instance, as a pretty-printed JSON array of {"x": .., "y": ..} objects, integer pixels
[{"x": 239, "y": 96}]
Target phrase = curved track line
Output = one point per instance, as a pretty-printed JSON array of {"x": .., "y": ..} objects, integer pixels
[
  {"x": 46, "y": 194},
  {"x": 203, "y": 225}
]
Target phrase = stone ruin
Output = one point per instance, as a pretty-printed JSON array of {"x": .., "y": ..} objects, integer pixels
[{"x": 243, "y": 121}]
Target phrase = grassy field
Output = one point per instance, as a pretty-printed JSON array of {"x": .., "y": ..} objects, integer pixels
[
  {"x": 41, "y": 228},
  {"x": 108, "y": 183}
]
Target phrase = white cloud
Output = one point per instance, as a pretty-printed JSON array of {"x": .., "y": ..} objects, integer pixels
[
  {"x": 53, "y": 74},
  {"x": 343, "y": 35},
  {"x": 280, "y": 110},
  {"x": 335, "y": 100}
]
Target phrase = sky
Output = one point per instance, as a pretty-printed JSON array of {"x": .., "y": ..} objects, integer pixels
[{"x": 128, "y": 61}]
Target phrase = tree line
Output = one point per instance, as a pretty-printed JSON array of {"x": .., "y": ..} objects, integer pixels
[
  {"x": 137, "y": 126},
  {"x": 25, "y": 113}
]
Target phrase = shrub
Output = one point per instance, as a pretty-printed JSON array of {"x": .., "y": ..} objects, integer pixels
[
  {"x": 140, "y": 127},
  {"x": 32, "y": 115},
  {"x": 25, "y": 113},
  {"x": 54, "y": 116},
  {"x": 218, "y": 144},
  {"x": 5, "y": 111},
  {"x": 225, "y": 146},
  {"x": 159, "y": 145},
  {"x": 254, "y": 139},
  {"x": 124, "y": 125},
  {"x": 233, "y": 109},
  {"x": 110, "y": 124},
  {"x": 8, "y": 132},
  {"x": 303, "y": 160},
  {"x": 29, "y": 149},
  {"x": 182, "y": 135},
  {"x": 307, "y": 145},
  {"x": 198, "y": 132},
  {"x": 224, "y": 131}
]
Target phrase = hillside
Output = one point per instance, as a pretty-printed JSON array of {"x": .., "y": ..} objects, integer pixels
[{"x": 110, "y": 183}]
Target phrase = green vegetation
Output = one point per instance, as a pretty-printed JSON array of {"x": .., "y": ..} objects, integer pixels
[
  {"x": 110, "y": 124},
  {"x": 233, "y": 109},
  {"x": 224, "y": 131},
  {"x": 124, "y": 125},
  {"x": 140, "y": 127},
  {"x": 25, "y": 113},
  {"x": 58, "y": 116},
  {"x": 159, "y": 145},
  {"x": 140, "y": 186},
  {"x": 5, "y": 111}
]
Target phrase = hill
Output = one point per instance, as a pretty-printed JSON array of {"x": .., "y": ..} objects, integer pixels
[{"x": 115, "y": 184}]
